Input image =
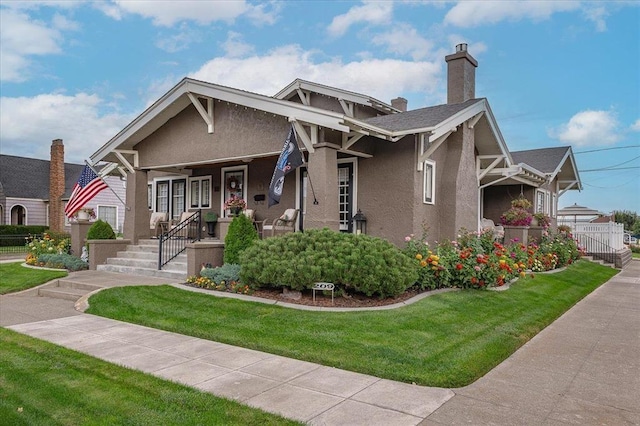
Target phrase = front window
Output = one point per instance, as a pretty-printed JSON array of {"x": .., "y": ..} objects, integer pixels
[
  {"x": 200, "y": 192},
  {"x": 540, "y": 201},
  {"x": 429, "y": 182}
]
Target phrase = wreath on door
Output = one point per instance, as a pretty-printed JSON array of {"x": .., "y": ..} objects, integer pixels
[{"x": 233, "y": 184}]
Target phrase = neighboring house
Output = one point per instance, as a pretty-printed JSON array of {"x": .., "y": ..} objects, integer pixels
[
  {"x": 445, "y": 167},
  {"x": 25, "y": 185}
]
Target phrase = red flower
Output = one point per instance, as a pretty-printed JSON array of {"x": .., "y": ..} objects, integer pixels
[{"x": 459, "y": 266}]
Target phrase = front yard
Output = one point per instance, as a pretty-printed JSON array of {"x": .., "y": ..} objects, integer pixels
[{"x": 447, "y": 340}]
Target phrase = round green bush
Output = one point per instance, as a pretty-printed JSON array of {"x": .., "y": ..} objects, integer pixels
[
  {"x": 100, "y": 230},
  {"x": 358, "y": 263},
  {"x": 240, "y": 236}
]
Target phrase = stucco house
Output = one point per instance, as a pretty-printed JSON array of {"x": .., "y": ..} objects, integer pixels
[
  {"x": 26, "y": 186},
  {"x": 444, "y": 166}
]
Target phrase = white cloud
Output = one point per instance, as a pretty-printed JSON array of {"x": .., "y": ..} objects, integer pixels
[
  {"x": 369, "y": 12},
  {"x": 181, "y": 40},
  {"x": 235, "y": 47},
  {"x": 405, "y": 40},
  {"x": 168, "y": 13},
  {"x": 468, "y": 14},
  {"x": 29, "y": 124},
  {"x": 383, "y": 79},
  {"x": 589, "y": 128},
  {"x": 597, "y": 14},
  {"x": 61, "y": 22},
  {"x": 21, "y": 38},
  {"x": 636, "y": 126}
]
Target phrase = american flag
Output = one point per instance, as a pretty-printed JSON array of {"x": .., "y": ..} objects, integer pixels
[{"x": 88, "y": 186}]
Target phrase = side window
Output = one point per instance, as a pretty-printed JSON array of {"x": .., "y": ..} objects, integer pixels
[
  {"x": 429, "y": 188},
  {"x": 110, "y": 215},
  {"x": 200, "y": 192}
]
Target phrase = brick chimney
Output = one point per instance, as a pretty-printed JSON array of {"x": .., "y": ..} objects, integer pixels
[
  {"x": 461, "y": 75},
  {"x": 399, "y": 103},
  {"x": 56, "y": 186}
]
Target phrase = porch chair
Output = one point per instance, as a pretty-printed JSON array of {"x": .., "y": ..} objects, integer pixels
[
  {"x": 498, "y": 230},
  {"x": 250, "y": 213},
  {"x": 283, "y": 224},
  {"x": 158, "y": 223},
  {"x": 185, "y": 232}
]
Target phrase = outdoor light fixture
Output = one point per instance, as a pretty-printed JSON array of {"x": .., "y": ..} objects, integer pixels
[{"x": 361, "y": 223}]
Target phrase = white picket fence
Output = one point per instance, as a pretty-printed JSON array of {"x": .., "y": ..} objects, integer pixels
[{"x": 598, "y": 234}]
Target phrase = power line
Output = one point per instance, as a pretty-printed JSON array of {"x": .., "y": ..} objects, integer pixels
[
  {"x": 606, "y": 149},
  {"x": 613, "y": 167},
  {"x": 607, "y": 169}
]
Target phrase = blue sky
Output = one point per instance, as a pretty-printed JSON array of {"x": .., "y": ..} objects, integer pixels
[{"x": 555, "y": 73}]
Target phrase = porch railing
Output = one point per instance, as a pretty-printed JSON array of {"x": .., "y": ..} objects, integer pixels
[
  {"x": 610, "y": 234},
  {"x": 596, "y": 248},
  {"x": 176, "y": 239}
]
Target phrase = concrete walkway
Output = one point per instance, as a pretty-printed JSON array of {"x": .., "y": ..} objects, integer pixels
[{"x": 582, "y": 369}]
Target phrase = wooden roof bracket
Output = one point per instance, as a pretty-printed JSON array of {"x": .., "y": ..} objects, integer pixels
[
  {"x": 120, "y": 153},
  {"x": 348, "y": 139},
  {"x": 304, "y": 97},
  {"x": 207, "y": 115},
  {"x": 308, "y": 140},
  {"x": 483, "y": 172},
  {"x": 432, "y": 145},
  {"x": 473, "y": 120},
  {"x": 347, "y": 107},
  {"x": 571, "y": 183}
]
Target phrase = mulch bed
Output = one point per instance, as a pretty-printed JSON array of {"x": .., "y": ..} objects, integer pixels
[{"x": 324, "y": 299}]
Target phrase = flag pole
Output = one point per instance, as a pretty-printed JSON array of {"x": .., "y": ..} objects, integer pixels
[
  {"x": 313, "y": 192},
  {"x": 105, "y": 182}
]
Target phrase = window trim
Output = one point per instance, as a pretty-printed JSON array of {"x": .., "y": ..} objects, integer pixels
[
  {"x": 429, "y": 171},
  {"x": 200, "y": 180},
  {"x": 116, "y": 229}
]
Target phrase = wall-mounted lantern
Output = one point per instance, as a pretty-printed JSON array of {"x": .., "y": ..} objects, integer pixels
[{"x": 361, "y": 223}]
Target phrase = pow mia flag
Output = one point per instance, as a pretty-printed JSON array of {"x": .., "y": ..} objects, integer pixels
[{"x": 290, "y": 159}]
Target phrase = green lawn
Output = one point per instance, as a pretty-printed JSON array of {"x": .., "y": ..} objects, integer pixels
[
  {"x": 45, "y": 384},
  {"x": 635, "y": 255},
  {"x": 446, "y": 340},
  {"x": 15, "y": 277}
]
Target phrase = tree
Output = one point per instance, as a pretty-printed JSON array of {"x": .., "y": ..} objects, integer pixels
[{"x": 630, "y": 219}]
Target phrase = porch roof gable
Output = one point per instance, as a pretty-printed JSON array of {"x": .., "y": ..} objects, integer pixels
[
  {"x": 554, "y": 162},
  {"x": 177, "y": 99},
  {"x": 298, "y": 84}
]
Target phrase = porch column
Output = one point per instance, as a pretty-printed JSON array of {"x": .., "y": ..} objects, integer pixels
[
  {"x": 323, "y": 173},
  {"x": 137, "y": 215}
]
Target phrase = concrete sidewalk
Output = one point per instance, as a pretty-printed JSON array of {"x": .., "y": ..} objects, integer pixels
[{"x": 582, "y": 369}]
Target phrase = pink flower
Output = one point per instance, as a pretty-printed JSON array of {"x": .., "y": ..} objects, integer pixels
[
  {"x": 477, "y": 268},
  {"x": 407, "y": 238}
]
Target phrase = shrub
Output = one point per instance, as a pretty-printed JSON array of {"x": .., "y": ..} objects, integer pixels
[
  {"x": 357, "y": 263},
  {"x": 241, "y": 235},
  {"x": 101, "y": 230},
  {"x": 226, "y": 272},
  {"x": 62, "y": 261}
]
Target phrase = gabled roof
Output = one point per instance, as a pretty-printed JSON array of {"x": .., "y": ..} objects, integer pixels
[
  {"x": 554, "y": 162},
  {"x": 23, "y": 177},
  {"x": 292, "y": 89},
  {"x": 177, "y": 99},
  {"x": 419, "y": 118}
]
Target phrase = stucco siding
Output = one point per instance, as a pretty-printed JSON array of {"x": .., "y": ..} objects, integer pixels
[
  {"x": 386, "y": 190},
  {"x": 238, "y": 132}
]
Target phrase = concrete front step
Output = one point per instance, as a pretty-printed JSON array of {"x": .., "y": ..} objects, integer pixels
[
  {"x": 66, "y": 289},
  {"x": 170, "y": 274}
]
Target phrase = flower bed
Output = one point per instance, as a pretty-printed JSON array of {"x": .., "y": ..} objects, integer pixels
[{"x": 475, "y": 260}]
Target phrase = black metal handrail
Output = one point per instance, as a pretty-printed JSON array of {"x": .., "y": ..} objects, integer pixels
[
  {"x": 596, "y": 248},
  {"x": 175, "y": 241}
]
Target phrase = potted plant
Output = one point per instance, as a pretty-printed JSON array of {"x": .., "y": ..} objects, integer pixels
[
  {"x": 84, "y": 214},
  {"x": 541, "y": 219},
  {"x": 235, "y": 205},
  {"x": 211, "y": 218},
  {"x": 517, "y": 215},
  {"x": 516, "y": 220}
]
